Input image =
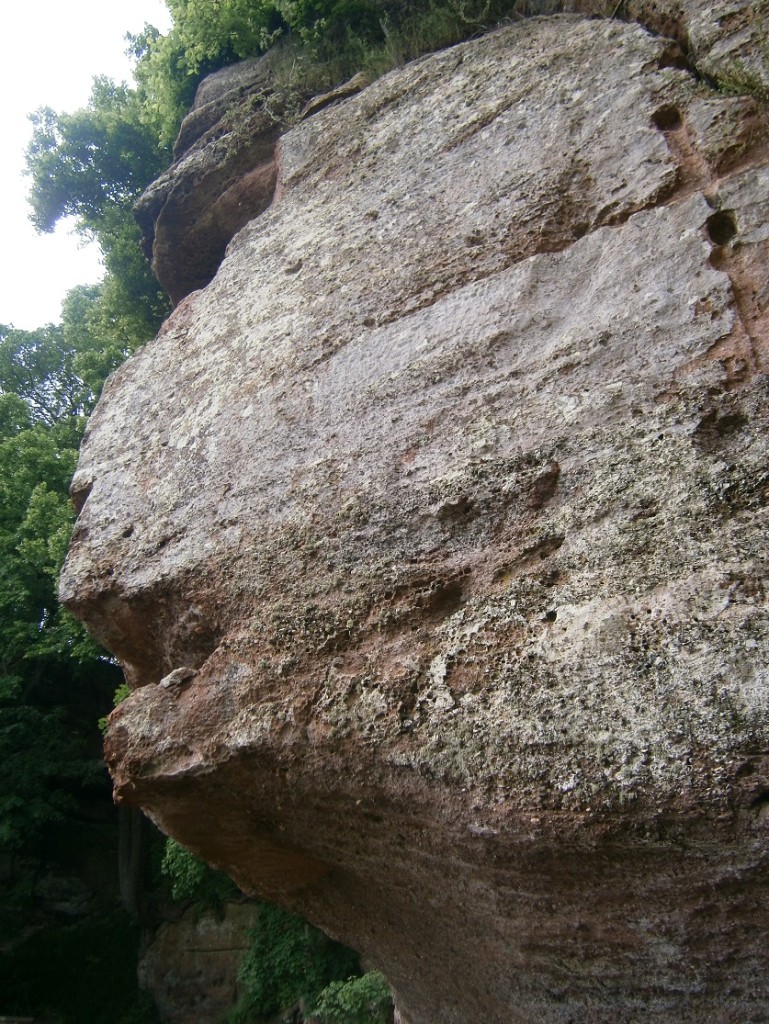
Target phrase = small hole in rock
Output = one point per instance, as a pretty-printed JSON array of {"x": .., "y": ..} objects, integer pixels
[
  {"x": 667, "y": 118},
  {"x": 672, "y": 56},
  {"x": 445, "y": 597},
  {"x": 79, "y": 495},
  {"x": 721, "y": 227},
  {"x": 551, "y": 616}
]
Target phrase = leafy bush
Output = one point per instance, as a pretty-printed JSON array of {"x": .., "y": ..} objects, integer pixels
[
  {"x": 328, "y": 40},
  {"x": 289, "y": 963},
  {"x": 192, "y": 879},
  {"x": 363, "y": 1000}
]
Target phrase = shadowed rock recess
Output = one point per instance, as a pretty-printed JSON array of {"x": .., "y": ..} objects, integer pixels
[{"x": 452, "y": 489}]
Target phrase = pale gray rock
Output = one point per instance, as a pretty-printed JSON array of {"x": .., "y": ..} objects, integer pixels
[
  {"x": 724, "y": 129},
  {"x": 728, "y": 40},
  {"x": 453, "y": 484},
  {"x": 178, "y": 678},
  {"x": 722, "y": 39},
  {"x": 225, "y": 171}
]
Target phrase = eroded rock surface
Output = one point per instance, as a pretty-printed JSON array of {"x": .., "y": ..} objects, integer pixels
[
  {"x": 224, "y": 172},
  {"x": 452, "y": 486},
  {"x": 724, "y": 39},
  {"x": 224, "y": 175}
]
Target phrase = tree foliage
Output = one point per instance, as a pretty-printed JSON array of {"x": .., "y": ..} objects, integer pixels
[
  {"x": 166, "y": 79},
  {"x": 94, "y": 161},
  {"x": 43, "y": 369},
  {"x": 91, "y": 165},
  {"x": 218, "y": 31},
  {"x": 52, "y": 676},
  {"x": 289, "y": 963},
  {"x": 361, "y": 1000}
]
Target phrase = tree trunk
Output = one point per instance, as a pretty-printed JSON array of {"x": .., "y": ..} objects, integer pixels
[{"x": 133, "y": 859}]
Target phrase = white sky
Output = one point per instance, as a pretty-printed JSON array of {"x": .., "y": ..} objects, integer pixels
[{"x": 51, "y": 52}]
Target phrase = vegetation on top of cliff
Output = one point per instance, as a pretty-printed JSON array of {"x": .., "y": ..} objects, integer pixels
[{"x": 327, "y": 41}]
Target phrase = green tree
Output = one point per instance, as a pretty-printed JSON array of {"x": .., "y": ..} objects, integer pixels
[
  {"x": 94, "y": 161},
  {"x": 52, "y": 677},
  {"x": 166, "y": 79},
  {"x": 39, "y": 368},
  {"x": 222, "y": 31},
  {"x": 92, "y": 165},
  {"x": 289, "y": 963}
]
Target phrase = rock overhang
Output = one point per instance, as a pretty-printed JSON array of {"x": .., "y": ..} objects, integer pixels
[{"x": 452, "y": 487}]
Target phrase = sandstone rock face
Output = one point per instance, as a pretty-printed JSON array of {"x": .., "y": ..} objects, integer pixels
[
  {"x": 191, "y": 966},
  {"x": 725, "y": 39},
  {"x": 223, "y": 175},
  {"x": 224, "y": 172},
  {"x": 452, "y": 486}
]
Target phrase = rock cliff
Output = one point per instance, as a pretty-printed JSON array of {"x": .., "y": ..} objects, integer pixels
[
  {"x": 450, "y": 493},
  {"x": 191, "y": 965}
]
